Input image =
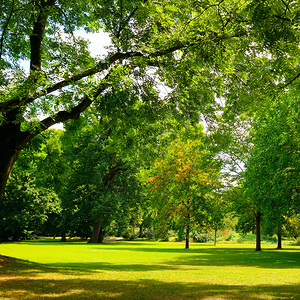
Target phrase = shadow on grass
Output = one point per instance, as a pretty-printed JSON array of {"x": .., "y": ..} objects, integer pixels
[
  {"x": 205, "y": 255},
  {"x": 57, "y": 242},
  {"x": 241, "y": 257},
  {"x": 28, "y": 286},
  {"x": 222, "y": 256}
]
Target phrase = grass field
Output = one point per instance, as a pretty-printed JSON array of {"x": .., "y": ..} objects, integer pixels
[{"x": 147, "y": 270}]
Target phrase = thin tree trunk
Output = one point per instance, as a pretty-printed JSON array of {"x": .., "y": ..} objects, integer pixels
[
  {"x": 140, "y": 231},
  {"x": 279, "y": 235},
  {"x": 187, "y": 237},
  {"x": 258, "y": 239},
  {"x": 216, "y": 229},
  {"x": 96, "y": 230},
  {"x": 101, "y": 235}
]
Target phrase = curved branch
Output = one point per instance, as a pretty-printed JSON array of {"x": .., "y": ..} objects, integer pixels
[
  {"x": 5, "y": 27},
  {"x": 100, "y": 67},
  {"x": 75, "y": 112},
  {"x": 292, "y": 80}
]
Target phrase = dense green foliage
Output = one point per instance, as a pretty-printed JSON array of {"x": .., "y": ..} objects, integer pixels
[
  {"x": 231, "y": 65},
  {"x": 272, "y": 174}
]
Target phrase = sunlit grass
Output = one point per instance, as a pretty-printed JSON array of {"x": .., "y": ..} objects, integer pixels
[{"x": 148, "y": 270}]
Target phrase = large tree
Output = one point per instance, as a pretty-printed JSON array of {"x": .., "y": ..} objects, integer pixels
[
  {"x": 101, "y": 186},
  {"x": 272, "y": 174},
  {"x": 210, "y": 47}
]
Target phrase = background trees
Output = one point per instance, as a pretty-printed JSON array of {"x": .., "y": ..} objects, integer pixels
[
  {"x": 218, "y": 62},
  {"x": 101, "y": 186},
  {"x": 31, "y": 203}
]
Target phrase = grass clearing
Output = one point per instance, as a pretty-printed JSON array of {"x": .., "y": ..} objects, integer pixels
[{"x": 147, "y": 270}]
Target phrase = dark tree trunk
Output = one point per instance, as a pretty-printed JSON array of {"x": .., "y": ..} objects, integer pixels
[
  {"x": 215, "y": 241},
  {"x": 101, "y": 235},
  {"x": 12, "y": 141},
  {"x": 63, "y": 237},
  {"x": 37, "y": 35},
  {"x": 187, "y": 237},
  {"x": 96, "y": 230},
  {"x": 141, "y": 231},
  {"x": 279, "y": 241},
  {"x": 258, "y": 239}
]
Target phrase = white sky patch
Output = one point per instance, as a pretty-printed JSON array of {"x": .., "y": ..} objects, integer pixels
[
  {"x": 99, "y": 42},
  {"x": 98, "y": 46}
]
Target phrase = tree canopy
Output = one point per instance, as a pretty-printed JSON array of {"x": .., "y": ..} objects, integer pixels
[{"x": 202, "y": 50}]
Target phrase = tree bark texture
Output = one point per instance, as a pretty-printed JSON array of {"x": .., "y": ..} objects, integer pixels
[
  {"x": 96, "y": 230},
  {"x": 13, "y": 140}
]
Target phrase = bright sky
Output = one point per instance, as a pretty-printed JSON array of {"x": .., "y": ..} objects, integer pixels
[{"x": 99, "y": 43}]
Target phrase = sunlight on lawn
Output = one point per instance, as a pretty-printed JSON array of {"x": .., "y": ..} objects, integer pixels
[{"x": 143, "y": 270}]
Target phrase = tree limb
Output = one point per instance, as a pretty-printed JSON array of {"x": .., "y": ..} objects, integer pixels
[
  {"x": 5, "y": 27},
  {"x": 292, "y": 80},
  {"x": 37, "y": 35},
  {"x": 99, "y": 67},
  {"x": 74, "y": 113}
]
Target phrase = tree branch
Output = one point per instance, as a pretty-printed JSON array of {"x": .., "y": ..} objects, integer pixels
[
  {"x": 74, "y": 113},
  {"x": 292, "y": 80},
  {"x": 99, "y": 67},
  {"x": 37, "y": 36},
  {"x": 282, "y": 18},
  {"x": 5, "y": 27}
]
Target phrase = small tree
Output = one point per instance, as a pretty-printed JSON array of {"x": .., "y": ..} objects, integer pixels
[{"x": 182, "y": 179}]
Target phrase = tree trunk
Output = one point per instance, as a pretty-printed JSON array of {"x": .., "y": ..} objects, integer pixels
[
  {"x": 258, "y": 221},
  {"x": 140, "y": 231},
  {"x": 187, "y": 237},
  {"x": 279, "y": 243},
  {"x": 63, "y": 237},
  {"x": 12, "y": 141},
  {"x": 96, "y": 230},
  {"x": 101, "y": 235},
  {"x": 215, "y": 242}
]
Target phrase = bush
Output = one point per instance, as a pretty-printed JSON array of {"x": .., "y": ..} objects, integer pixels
[
  {"x": 201, "y": 237},
  {"x": 246, "y": 238},
  {"x": 132, "y": 237}
]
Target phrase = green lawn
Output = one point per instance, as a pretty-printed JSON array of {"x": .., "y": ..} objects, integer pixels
[{"x": 147, "y": 270}]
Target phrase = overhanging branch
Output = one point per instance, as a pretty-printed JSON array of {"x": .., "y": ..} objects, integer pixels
[
  {"x": 100, "y": 67},
  {"x": 74, "y": 113}
]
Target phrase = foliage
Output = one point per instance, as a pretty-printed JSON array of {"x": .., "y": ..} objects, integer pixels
[
  {"x": 31, "y": 197},
  {"x": 272, "y": 175},
  {"x": 182, "y": 180},
  {"x": 101, "y": 180},
  {"x": 201, "y": 50}
]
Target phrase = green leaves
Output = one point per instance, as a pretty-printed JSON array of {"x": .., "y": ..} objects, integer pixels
[
  {"x": 184, "y": 176},
  {"x": 269, "y": 180}
]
